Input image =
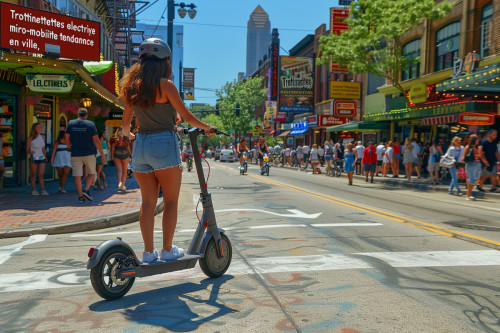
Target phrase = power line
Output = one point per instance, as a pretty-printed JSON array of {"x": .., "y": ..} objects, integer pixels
[{"x": 161, "y": 16}]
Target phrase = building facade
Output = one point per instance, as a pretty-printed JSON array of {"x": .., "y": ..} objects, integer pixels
[{"x": 258, "y": 38}]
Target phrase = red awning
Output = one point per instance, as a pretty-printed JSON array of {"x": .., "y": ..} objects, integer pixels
[
  {"x": 440, "y": 120},
  {"x": 272, "y": 133}
]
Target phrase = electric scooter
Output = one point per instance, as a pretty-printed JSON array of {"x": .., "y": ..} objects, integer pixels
[
  {"x": 265, "y": 166},
  {"x": 244, "y": 166},
  {"x": 114, "y": 265},
  {"x": 189, "y": 161}
]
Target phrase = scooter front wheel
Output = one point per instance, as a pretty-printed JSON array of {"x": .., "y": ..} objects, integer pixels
[
  {"x": 103, "y": 277},
  {"x": 210, "y": 264}
]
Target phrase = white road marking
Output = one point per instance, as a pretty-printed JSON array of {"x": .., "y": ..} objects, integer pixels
[
  {"x": 77, "y": 278},
  {"x": 267, "y": 226},
  {"x": 295, "y": 213},
  {"x": 7, "y": 251}
]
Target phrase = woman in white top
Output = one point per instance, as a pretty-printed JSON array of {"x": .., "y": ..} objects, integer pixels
[
  {"x": 61, "y": 160},
  {"x": 36, "y": 148},
  {"x": 454, "y": 151},
  {"x": 314, "y": 158},
  {"x": 300, "y": 155},
  {"x": 388, "y": 159}
]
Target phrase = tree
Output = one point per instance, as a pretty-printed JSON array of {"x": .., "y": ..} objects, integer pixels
[
  {"x": 371, "y": 44},
  {"x": 248, "y": 95}
]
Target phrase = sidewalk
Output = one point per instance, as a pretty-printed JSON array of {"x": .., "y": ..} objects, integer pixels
[
  {"x": 422, "y": 184},
  {"x": 22, "y": 214}
]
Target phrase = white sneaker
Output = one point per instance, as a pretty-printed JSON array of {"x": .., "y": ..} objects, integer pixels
[
  {"x": 174, "y": 253},
  {"x": 35, "y": 192},
  {"x": 44, "y": 193},
  {"x": 148, "y": 257},
  {"x": 471, "y": 198}
]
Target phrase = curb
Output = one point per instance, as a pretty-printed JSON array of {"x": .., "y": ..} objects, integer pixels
[{"x": 79, "y": 226}]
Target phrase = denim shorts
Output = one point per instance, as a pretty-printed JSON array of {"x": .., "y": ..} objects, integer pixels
[
  {"x": 156, "y": 151},
  {"x": 473, "y": 171},
  {"x": 328, "y": 157}
]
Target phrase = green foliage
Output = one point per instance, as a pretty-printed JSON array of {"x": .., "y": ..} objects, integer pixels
[
  {"x": 248, "y": 94},
  {"x": 371, "y": 43},
  {"x": 212, "y": 119}
]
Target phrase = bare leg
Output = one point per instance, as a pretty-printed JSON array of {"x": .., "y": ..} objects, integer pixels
[
  {"x": 118, "y": 165},
  {"x": 149, "y": 192},
  {"x": 170, "y": 181},
  {"x": 41, "y": 170},
  {"x": 60, "y": 173},
  {"x": 32, "y": 176},
  {"x": 65, "y": 176},
  {"x": 124, "y": 170},
  {"x": 78, "y": 185}
]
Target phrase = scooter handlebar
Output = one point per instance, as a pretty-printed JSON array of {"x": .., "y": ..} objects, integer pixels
[{"x": 195, "y": 129}]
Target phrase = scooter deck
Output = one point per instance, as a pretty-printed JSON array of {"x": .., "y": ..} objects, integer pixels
[{"x": 161, "y": 267}]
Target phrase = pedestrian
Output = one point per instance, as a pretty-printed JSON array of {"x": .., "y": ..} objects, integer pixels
[
  {"x": 350, "y": 158},
  {"x": 61, "y": 160},
  {"x": 435, "y": 153},
  {"x": 454, "y": 151},
  {"x": 300, "y": 156},
  {"x": 120, "y": 153},
  {"x": 328, "y": 155},
  {"x": 407, "y": 151},
  {"x": 82, "y": 140},
  {"x": 306, "y": 150},
  {"x": 321, "y": 153},
  {"x": 489, "y": 158},
  {"x": 396, "y": 156},
  {"x": 101, "y": 161},
  {"x": 314, "y": 158},
  {"x": 388, "y": 159},
  {"x": 472, "y": 159},
  {"x": 370, "y": 161},
  {"x": 417, "y": 159},
  {"x": 360, "y": 149},
  {"x": 425, "y": 157},
  {"x": 150, "y": 94},
  {"x": 288, "y": 156},
  {"x": 380, "y": 158},
  {"x": 340, "y": 151},
  {"x": 35, "y": 147}
]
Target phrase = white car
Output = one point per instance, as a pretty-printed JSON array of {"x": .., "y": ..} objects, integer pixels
[{"x": 227, "y": 155}]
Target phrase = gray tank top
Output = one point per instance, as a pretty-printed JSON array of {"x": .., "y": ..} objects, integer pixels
[{"x": 160, "y": 118}]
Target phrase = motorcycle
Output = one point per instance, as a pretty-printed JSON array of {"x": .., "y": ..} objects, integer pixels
[
  {"x": 244, "y": 166},
  {"x": 265, "y": 166}
]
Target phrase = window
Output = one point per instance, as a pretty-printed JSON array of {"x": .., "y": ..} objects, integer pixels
[
  {"x": 411, "y": 50},
  {"x": 486, "y": 30},
  {"x": 447, "y": 44}
]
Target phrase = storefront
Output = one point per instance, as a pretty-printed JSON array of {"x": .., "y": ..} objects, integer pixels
[{"x": 359, "y": 130}]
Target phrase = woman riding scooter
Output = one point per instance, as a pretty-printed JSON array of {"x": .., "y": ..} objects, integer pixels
[
  {"x": 241, "y": 147},
  {"x": 262, "y": 148},
  {"x": 150, "y": 94}
]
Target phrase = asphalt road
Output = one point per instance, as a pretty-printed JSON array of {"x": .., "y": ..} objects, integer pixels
[{"x": 309, "y": 254}]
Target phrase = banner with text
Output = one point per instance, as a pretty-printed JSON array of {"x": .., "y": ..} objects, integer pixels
[
  {"x": 188, "y": 83},
  {"x": 296, "y": 84},
  {"x": 37, "y": 31}
]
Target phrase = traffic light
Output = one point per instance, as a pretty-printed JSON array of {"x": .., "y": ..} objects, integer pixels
[
  {"x": 217, "y": 112},
  {"x": 237, "y": 109}
]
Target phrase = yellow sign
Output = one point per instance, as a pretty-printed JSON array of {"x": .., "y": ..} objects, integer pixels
[
  {"x": 113, "y": 122},
  {"x": 418, "y": 93},
  {"x": 345, "y": 90}
]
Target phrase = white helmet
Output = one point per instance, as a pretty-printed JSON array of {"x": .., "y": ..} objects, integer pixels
[{"x": 156, "y": 47}]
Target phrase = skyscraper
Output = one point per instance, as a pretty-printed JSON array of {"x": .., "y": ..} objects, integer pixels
[{"x": 258, "y": 38}]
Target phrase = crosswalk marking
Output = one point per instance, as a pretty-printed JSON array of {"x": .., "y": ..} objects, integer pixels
[{"x": 77, "y": 278}]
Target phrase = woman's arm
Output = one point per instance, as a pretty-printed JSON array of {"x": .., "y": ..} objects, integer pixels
[
  {"x": 54, "y": 152},
  {"x": 126, "y": 120},
  {"x": 28, "y": 147},
  {"x": 112, "y": 144},
  {"x": 44, "y": 149},
  {"x": 169, "y": 88}
]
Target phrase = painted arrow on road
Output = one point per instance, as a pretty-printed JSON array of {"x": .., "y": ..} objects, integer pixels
[
  {"x": 6, "y": 252},
  {"x": 295, "y": 213}
]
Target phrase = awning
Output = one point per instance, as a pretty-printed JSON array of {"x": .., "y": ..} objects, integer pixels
[
  {"x": 298, "y": 132},
  {"x": 359, "y": 126},
  {"x": 272, "y": 133},
  {"x": 439, "y": 120},
  {"x": 97, "y": 67},
  {"x": 482, "y": 81},
  {"x": 284, "y": 133}
]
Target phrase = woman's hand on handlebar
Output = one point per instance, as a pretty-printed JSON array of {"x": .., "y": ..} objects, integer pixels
[{"x": 211, "y": 130}]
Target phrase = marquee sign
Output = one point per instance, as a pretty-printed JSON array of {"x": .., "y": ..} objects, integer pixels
[
  {"x": 344, "y": 108},
  {"x": 471, "y": 118},
  {"x": 50, "y": 83}
]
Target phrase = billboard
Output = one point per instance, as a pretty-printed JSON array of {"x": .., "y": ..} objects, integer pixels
[
  {"x": 345, "y": 89},
  {"x": 337, "y": 25},
  {"x": 296, "y": 84},
  {"x": 38, "y": 32},
  {"x": 188, "y": 83}
]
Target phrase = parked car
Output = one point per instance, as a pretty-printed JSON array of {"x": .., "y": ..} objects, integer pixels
[{"x": 227, "y": 155}]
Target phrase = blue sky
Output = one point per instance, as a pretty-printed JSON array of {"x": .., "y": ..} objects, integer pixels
[{"x": 215, "y": 40}]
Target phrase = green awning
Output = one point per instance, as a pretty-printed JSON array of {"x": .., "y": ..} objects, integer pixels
[
  {"x": 97, "y": 67},
  {"x": 482, "y": 81},
  {"x": 359, "y": 126}
]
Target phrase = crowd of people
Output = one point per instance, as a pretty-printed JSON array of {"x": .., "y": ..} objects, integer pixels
[{"x": 82, "y": 149}]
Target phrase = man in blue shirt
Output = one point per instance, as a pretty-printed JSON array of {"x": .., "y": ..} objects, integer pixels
[{"x": 81, "y": 136}]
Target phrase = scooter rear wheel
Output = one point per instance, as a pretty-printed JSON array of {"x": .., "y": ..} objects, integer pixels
[
  {"x": 103, "y": 276},
  {"x": 211, "y": 265}
]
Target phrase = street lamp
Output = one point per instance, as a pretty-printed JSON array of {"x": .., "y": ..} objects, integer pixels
[
  {"x": 182, "y": 13},
  {"x": 86, "y": 102}
]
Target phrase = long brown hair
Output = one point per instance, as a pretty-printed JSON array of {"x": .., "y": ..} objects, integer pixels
[
  {"x": 141, "y": 83},
  {"x": 33, "y": 133}
]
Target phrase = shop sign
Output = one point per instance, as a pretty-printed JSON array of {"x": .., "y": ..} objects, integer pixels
[
  {"x": 345, "y": 90},
  {"x": 329, "y": 120},
  {"x": 312, "y": 121},
  {"x": 273, "y": 87},
  {"x": 344, "y": 109},
  {"x": 477, "y": 119},
  {"x": 280, "y": 116},
  {"x": 418, "y": 93},
  {"x": 41, "y": 110},
  {"x": 188, "y": 83},
  {"x": 115, "y": 115},
  {"x": 296, "y": 84},
  {"x": 468, "y": 65},
  {"x": 345, "y": 2},
  {"x": 42, "y": 32},
  {"x": 337, "y": 25},
  {"x": 302, "y": 126},
  {"x": 50, "y": 83}
]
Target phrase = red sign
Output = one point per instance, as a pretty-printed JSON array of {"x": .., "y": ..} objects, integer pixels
[
  {"x": 337, "y": 25},
  {"x": 344, "y": 108},
  {"x": 281, "y": 116},
  {"x": 37, "y": 31},
  {"x": 274, "y": 71},
  {"x": 329, "y": 120},
  {"x": 471, "y": 118}
]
